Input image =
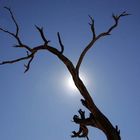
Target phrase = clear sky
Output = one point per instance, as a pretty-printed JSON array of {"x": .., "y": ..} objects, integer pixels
[{"x": 40, "y": 104}]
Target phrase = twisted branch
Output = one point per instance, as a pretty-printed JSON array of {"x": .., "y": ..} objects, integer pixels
[
  {"x": 90, "y": 121},
  {"x": 83, "y": 123}
]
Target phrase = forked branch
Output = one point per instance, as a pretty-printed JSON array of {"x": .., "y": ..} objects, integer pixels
[
  {"x": 28, "y": 57},
  {"x": 16, "y": 34},
  {"x": 90, "y": 121},
  {"x": 83, "y": 123},
  {"x": 20, "y": 45},
  {"x": 42, "y": 35},
  {"x": 92, "y": 26},
  {"x": 96, "y": 117},
  {"x": 32, "y": 51},
  {"x": 95, "y": 38},
  {"x": 13, "y": 18},
  {"x": 116, "y": 19}
]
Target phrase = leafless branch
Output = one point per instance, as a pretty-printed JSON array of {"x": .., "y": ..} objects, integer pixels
[
  {"x": 34, "y": 50},
  {"x": 20, "y": 45},
  {"x": 23, "y": 46},
  {"x": 42, "y": 34},
  {"x": 13, "y": 18},
  {"x": 6, "y": 31},
  {"x": 15, "y": 35},
  {"x": 116, "y": 19},
  {"x": 30, "y": 57},
  {"x": 27, "y": 67},
  {"x": 96, "y": 118},
  {"x": 90, "y": 121},
  {"x": 15, "y": 60},
  {"x": 88, "y": 46},
  {"x": 95, "y": 38},
  {"x": 60, "y": 42},
  {"x": 92, "y": 26},
  {"x": 83, "y": 54}
]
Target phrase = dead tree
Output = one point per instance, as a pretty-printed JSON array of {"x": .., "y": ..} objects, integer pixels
[{"x": 96, "y": 119}]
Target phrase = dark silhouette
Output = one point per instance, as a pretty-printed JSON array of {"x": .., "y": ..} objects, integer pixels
[
  {"x": 83, "y": 130},
  {"x": 96, "y": 118}
]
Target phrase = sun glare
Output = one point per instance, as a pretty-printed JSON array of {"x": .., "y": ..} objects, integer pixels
[{"x": 70, "y": 83}]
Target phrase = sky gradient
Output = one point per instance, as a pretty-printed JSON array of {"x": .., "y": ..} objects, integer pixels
[{"x": 39, "y": 105}]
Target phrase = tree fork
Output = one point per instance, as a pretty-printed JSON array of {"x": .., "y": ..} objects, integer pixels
[{"x": 97, "y": 118}]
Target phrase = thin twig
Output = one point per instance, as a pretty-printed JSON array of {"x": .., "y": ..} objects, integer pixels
[
  {"x": 92, "y": 26},
  {"x": 15, "y": 60},
  {"x": 31, "y": 56},
  {"x": 27, "y": 67},
  {"x": 42, "y": 34},
  {"x": 13, "y": 18},
  {"x": 60, "y": 42}
]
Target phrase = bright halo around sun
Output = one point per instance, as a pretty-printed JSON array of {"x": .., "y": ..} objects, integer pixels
[{"x": 70, "y": 83}]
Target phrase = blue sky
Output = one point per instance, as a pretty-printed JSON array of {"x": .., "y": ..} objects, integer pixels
[{"x": 40, "y": 104}]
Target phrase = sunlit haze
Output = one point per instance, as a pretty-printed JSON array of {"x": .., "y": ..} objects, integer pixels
[{"x": 70, "y": 83}]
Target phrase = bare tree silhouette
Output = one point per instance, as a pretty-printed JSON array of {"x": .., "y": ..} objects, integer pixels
[{"x": 96, "y": 118}]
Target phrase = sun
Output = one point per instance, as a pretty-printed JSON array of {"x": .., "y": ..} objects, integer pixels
[{"x": 70, "y": 83}]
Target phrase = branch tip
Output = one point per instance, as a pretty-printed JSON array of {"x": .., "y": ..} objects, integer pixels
[
  {"x": 42, "y": 34},
  {"x": 60, "y": 42},
  {"x": 7, "y": 8},
  {"x": 91, "y": 18}
]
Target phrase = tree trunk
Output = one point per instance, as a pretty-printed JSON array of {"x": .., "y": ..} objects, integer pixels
[{"x": 101, "y": 120}]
